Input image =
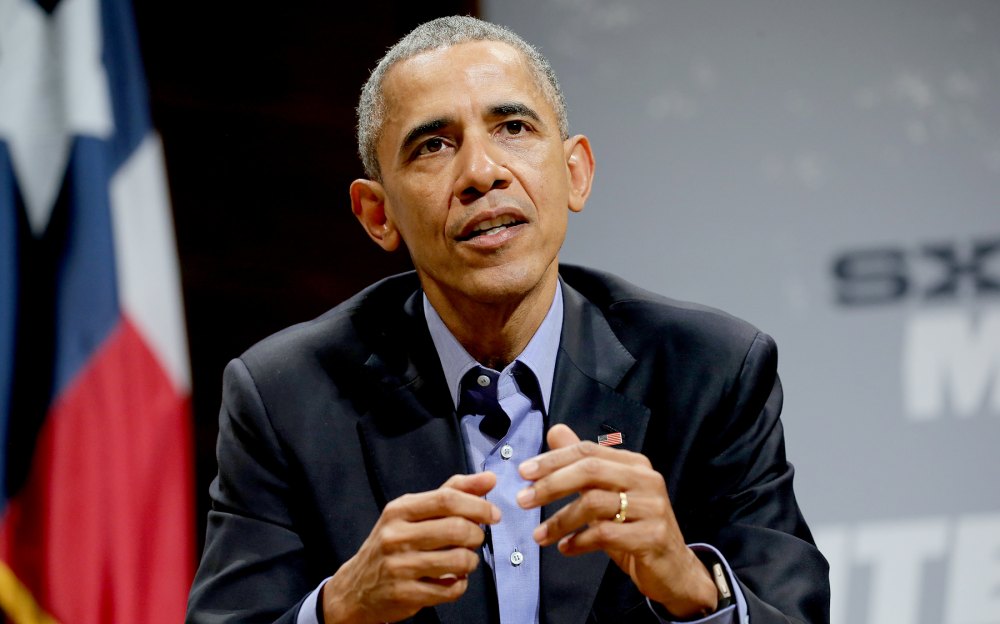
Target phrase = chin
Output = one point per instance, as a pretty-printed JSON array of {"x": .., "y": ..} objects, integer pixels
[{"x": 507, "y": 284}]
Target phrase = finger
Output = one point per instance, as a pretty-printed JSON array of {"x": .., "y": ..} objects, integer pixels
[
  {"x": 597, "y": 537},
  {"x": 545, "y": 463},
  {"x": 585, "y": 474},
  {"x": 560, "y": 436},
  {"x": 434, "y": 564},
  {"x": 478, "y": 484},
  {"x": 443, "y": 592},
  {"x": 427, "y": 592},
  {"x": 591, "y": 507},
  {"x": 613, "y": 537},
  {"x": 441, "y": 503},
  {"x": 432, "y": 534}
]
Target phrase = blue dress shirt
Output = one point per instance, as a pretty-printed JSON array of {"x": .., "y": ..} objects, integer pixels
[{"x": 510, "y": 552}]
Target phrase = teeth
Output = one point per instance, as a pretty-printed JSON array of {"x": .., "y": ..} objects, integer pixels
[{"x": 494, "y": 224}]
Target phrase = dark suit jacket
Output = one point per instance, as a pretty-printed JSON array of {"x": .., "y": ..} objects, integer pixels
[{"x": 325, "y": 422}]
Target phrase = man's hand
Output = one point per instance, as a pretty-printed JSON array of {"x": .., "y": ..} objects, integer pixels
[
  {"x": 648, "y": 546},
  {"x": 419, "y": 554}
]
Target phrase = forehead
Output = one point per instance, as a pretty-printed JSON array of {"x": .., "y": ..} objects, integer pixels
[{"x": 439, "y": 81}]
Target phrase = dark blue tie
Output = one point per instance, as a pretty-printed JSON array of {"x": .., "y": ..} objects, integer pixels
[{"x": 479, "y": 396}]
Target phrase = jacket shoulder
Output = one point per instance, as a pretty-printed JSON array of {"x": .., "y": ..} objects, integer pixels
[
  {"x": 642, "y": 319},
  {"x": 346, "y": 333}
]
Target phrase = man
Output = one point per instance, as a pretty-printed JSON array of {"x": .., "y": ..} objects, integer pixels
[{"x": 386, "y": 461}]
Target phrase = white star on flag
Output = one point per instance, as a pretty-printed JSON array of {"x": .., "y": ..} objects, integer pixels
[{"x": 53, "y": 87}]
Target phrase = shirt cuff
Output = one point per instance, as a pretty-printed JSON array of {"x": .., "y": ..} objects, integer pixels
[
  {"x": 735, "y": 613},
  {"x": 309, "y": 609}
]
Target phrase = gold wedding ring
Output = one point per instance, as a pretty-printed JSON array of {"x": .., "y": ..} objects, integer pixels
[{"x": 622, "y": 507}]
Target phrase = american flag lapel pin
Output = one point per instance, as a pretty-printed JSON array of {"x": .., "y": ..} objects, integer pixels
[{"x": 610, "y": 439}]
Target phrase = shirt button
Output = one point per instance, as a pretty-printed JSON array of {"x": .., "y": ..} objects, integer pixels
[
  {"x": 506, "y": 451},
  {"x": 483, "y": 380},
  {"x": 516, "y": 558}
]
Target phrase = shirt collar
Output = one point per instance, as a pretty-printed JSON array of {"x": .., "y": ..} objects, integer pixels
[{"x": 539, "y": 355}]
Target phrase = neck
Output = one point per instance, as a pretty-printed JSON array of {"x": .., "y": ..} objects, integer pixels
[{"x": 495, "y": 332}]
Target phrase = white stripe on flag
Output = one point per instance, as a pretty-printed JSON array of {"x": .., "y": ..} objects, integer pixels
[
  {"x": 610, "y": 439},
  {"x": 149, "y": 283}
]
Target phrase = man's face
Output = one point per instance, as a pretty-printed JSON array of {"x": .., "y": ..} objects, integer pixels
[{"x": 476, "y": 179}]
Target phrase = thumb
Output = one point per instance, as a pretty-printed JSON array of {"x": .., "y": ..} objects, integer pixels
[{"x": 561, "y": 436}]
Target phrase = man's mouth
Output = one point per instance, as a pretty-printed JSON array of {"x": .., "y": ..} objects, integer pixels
[{"x": 491, "y": 226}]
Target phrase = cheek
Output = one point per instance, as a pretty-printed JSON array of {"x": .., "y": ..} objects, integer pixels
[
  {"x": 549, "y": 167},
  {"x": 420, "y": 211},
  {"x": 528, "y": 166},
  {"x": 546, "y": 186}
]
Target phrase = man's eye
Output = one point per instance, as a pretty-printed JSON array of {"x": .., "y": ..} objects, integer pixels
[
  {"x": 431, "y": 146},
  {"x": 514, "y": 127}
]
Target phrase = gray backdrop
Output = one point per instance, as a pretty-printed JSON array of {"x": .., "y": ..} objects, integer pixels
[{"x": 829, "y": 171}]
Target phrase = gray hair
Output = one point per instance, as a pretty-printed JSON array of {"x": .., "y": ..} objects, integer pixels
[{"x": 442, "y": 33}]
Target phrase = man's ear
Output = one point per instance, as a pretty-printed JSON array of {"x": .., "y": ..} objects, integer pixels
[
  {"x": 580, "y": 164},
  {"x": 368, "y": 204}
]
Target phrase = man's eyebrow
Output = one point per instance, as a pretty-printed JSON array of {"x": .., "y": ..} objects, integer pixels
[
  {"x": 425, "y": 128},
  {"x": 515, "y": 109},
  {"x": 506, "y": 109}
]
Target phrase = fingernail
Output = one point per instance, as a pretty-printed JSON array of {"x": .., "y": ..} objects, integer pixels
[
  {"x": 525, "y": 496},
  {"x": 541, "y": 531},
  {"x": 496, "y": 515},
  {"x": 529, "y": 469}
]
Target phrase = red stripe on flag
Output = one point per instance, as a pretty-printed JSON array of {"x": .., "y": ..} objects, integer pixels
[
  {"x": 610, "y": 439},
  {"x": 102, "y": 531}
]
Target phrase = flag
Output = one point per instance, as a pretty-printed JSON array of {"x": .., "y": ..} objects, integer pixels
[
  {"x": 95, "y": 441},
  {"x": 610, "y": 439}
]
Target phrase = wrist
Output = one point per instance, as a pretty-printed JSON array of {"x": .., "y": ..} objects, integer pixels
[
  {"x": 717, "y": 571},
  {"x": 334, "y": 604},
  {"x": 694, "y": 595}
]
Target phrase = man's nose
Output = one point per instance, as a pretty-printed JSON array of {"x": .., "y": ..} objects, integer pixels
[{"x": 481, "y": 168}]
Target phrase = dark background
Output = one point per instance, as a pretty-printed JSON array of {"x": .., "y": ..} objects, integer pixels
[{"x": 256, "y": 110}]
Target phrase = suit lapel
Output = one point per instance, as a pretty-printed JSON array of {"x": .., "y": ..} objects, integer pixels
[
  {"x": 411, "y": 435},
  {"x": 591, "y": 364}
]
